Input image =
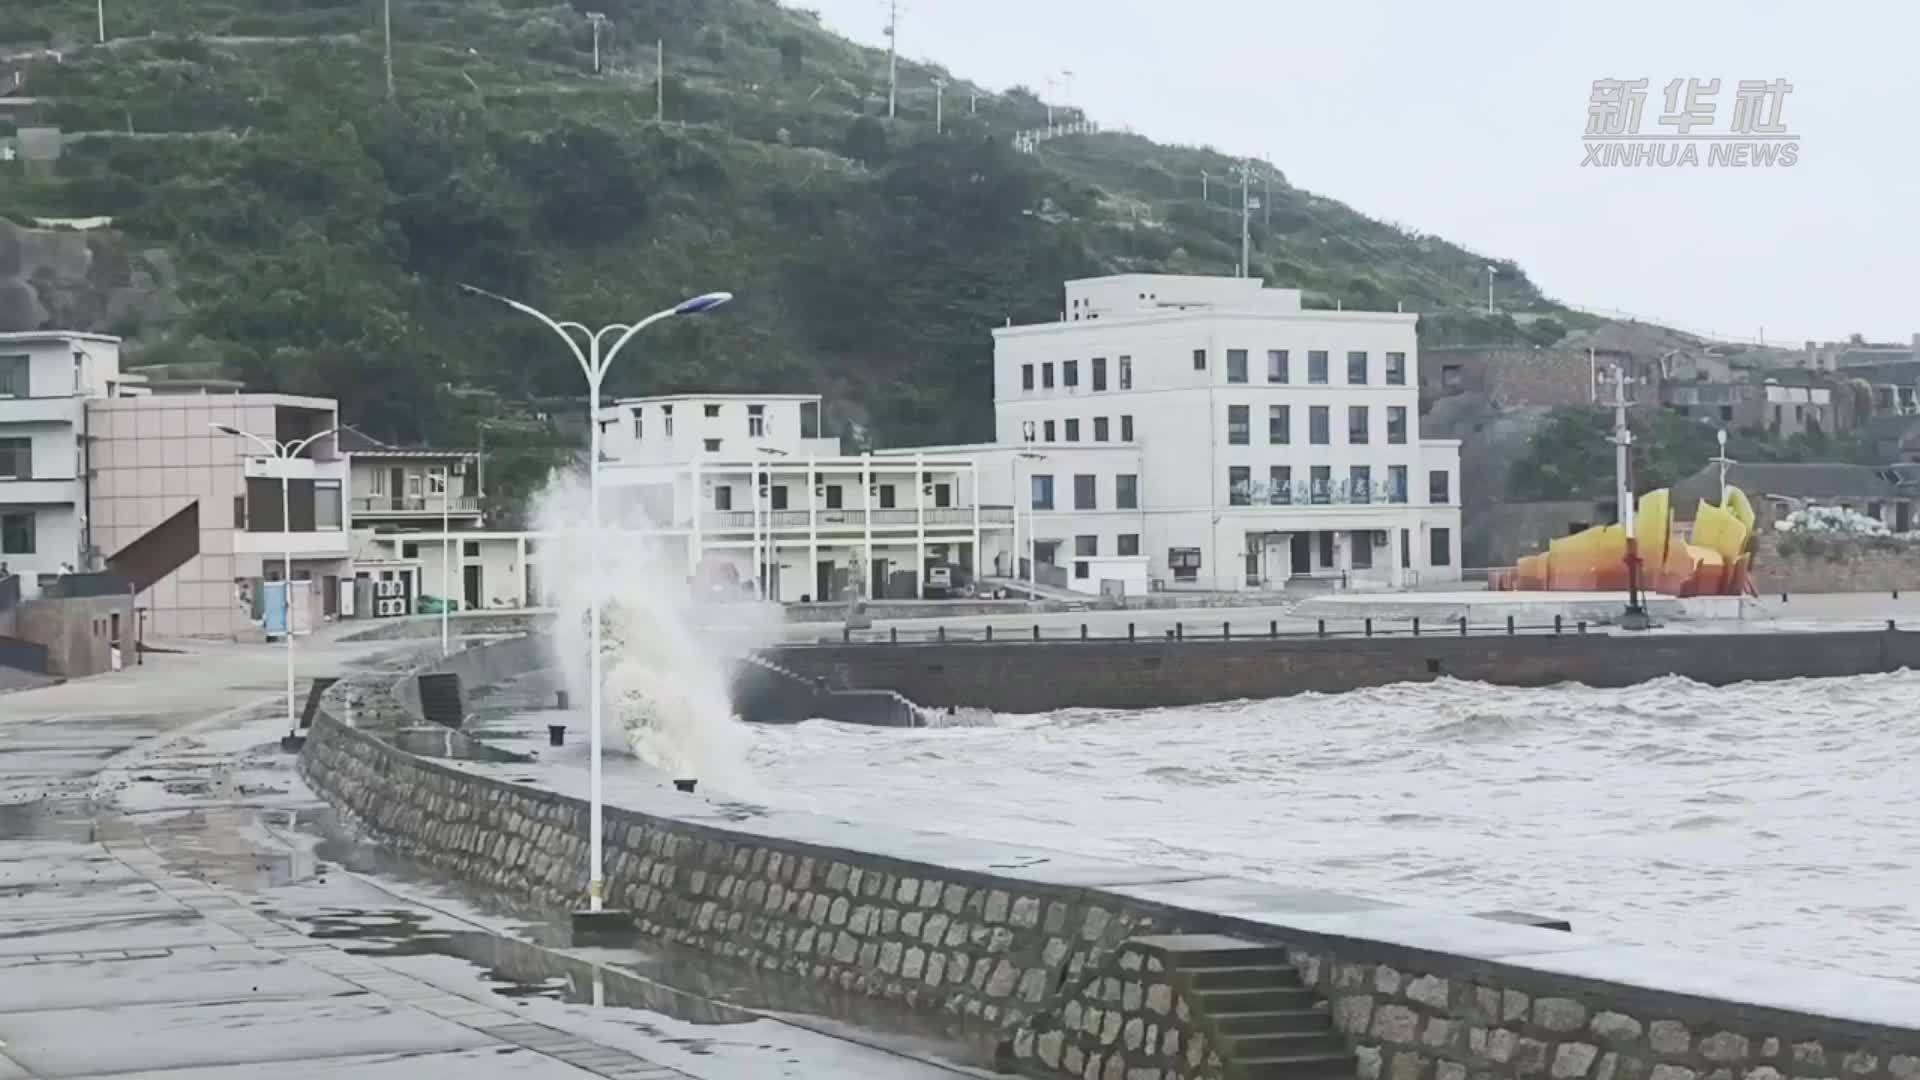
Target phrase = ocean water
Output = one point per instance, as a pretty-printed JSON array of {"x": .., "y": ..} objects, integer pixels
[{"x": 1777, "y": 821}]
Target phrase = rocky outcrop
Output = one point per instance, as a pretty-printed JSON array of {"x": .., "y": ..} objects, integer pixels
[{"x": 83, "y": 279}]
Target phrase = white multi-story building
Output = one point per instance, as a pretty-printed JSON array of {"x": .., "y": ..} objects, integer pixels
[
  {"x": 1229, "y": 435},
  {"x": 47, "y": 380},
  {"x": 767, "y": 505}
]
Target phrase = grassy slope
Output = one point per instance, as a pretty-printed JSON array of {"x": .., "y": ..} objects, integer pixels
[{"x": 319, "y": 246}]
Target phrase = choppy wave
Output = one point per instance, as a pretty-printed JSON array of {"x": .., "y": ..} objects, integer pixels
[{"x": 1776, "y": 820}]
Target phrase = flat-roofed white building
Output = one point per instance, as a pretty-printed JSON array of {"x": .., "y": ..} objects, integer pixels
[
  {"x": 1255, "y": 441},
  {"x": 47, "y": 381},
  {"x": 767, "y": 505}
]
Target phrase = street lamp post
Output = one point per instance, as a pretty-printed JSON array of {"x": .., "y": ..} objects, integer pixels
[
  {"x": 284, "y": 452},
  {"x": 594, "y": 361},
  {"x": 1033, "y": 570}
]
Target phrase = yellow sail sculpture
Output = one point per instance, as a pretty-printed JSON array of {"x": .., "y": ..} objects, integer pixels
[{"x": 1715, "y": 559}]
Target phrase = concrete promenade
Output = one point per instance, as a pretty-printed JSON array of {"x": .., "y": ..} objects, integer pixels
[{"x": 166, "y": 912}]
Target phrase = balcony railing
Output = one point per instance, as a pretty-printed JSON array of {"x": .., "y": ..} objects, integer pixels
[
  {"x": 375, "y": 505},
  {"x": 944, "y": 517}
]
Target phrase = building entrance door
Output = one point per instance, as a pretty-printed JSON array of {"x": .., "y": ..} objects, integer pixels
[
  {"x": 1302, "y": 554},
  {"x": 473, "y": 582}
]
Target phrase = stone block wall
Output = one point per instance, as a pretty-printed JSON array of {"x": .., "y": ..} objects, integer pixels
[
  {"x": 1126, "y": 1017},
  {"x": 1439, "y": 1021},
  {"x": 1821, "y": 566},
  {"x": 981, "y": 950}
]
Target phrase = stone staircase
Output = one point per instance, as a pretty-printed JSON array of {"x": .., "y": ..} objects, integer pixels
[{"x": 1266, "y": 1023}]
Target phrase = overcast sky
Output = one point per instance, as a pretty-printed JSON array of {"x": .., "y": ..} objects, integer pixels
[{"x": 1466, "y": 120}]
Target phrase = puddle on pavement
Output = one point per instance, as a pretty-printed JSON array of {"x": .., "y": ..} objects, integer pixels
[{"x": 48, "y": 819}]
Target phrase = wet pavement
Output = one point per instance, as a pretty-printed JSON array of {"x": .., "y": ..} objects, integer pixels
[{"x": 173, "y": 905}]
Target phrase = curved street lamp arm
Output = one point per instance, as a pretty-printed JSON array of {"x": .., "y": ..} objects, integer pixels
[
  {"x": 606, "y": 360},
  {"x": 269, "y": 445},
  {"x": 294, "y": 449},
  {"x": 528, "y": 309}
]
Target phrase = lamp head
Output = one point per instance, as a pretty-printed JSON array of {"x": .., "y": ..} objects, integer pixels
[
  {"x": 227, "y": 429},
  {"x": 700, "y": 305}
]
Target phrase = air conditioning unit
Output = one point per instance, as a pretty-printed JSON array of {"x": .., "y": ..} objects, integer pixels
[{"x": 1379, "y": 538}]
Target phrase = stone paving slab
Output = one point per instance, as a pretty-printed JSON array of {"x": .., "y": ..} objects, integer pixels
[
  {"x": 109, "y": 980},
  {"x": 494, "y": 1063},
  {"x": 69, "y": 1043},
  {"x": 113, "y": 896},
  {"x": 43, "y": 936}
]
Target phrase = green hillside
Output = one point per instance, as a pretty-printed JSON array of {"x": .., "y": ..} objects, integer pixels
[{"x": 320, "y": 227}]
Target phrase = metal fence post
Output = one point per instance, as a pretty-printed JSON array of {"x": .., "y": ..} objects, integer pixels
[
  {"x": 1369, "y": 627},
  {"x": 1226, "y": 631},
  {"x": 1509, "y": 624},
  {"x": 989, "y": 631},
  {"x": 1323, "y": 628},
  {"x": 1036, "y": 631},
  {"x": 1083, "y": 631},
  {"x": 1129, "y": 631},
  {"x": 1416, "y": 626},
  {"x": 1556, "y": 624}
]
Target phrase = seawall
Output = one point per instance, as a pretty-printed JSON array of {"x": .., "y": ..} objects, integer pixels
[
  {"x": 1029, "y": 677},
  {"x": 1047, "y": 958}
]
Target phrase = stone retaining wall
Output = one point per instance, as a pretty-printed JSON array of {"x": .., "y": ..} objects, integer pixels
[
  {"x": 992, "y": 953},
  {"x": 1818, "y": 565}
]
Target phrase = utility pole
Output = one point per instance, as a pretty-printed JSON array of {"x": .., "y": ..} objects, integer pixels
[
  {"x": 1635, "y": 617},
  {"x": 1246, "y": 221},
  {"x": 386, "y": 23},
  {"x": 939, "y": 105},
  {"x": 100, "y": 10},
  {"x": 660, "y": 81},
  {"x": 1203, "y": 187},
  {"x": 1266, "y": 204},
  {"x": 1489, "y": 290},
  {"x": 598, "y": 20},
  {"x": 893, "y": 55},
  {"x": 973, "y": 103}
]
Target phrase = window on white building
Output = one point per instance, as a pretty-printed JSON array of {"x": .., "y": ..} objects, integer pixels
[
  {"x": 1070, "y": 373},
  {"x": 14, "y": 374},
  {"x": 1439, "y": 547},
  {"x": 722, "y": 497},
  {"x": 1439, "y": 487},
  {"x": 1126, "y": 373},
  {"x": 326, "y": 504},
  {"x": 1322, "y": 489},
  {"x": 1360, "y": 484},
  {"x": 1127, "y": 544},
  {"x": 1086, "y": 547},
  {"x": 1073, "y": 431},
  {"x": 1026, "y": 376},
  {"x": 1357, "y": 425},
  {"x": 1126, "y": 429},
  {"x": 16, "y": 534},
  {"x": 1277, "y": 366},
  {"x": 666, "y": 420},
  {"x": 1099, "y": 373},
  {"x": 639, "y": 428},
  {"x": 713, "y": 446},
  {"x": 1360, "y": 543},
  {"x": 1317, "y": 366},
  {"x": 1239, "y": 486},
  {"x": 1101, "y": 429},
  {"x": 1185, "y": 563},
  {"x": 1396, "y": 424},
  {"x": 1199, "y": 359},
  {"x": 1319, "y": 425},
  {"x": 1126, "y": 492},
  {"x": 886, "y": 497},
  {"x": 777, "y": 497},
  {"x": 1396, "y": 483},
  {"x": 1042, "y": 491},
  {"x": 1049, "y": 430},
  {"x": 1085, "y": 492},
  {"x": 757, "y": 421},
  {"x": 713, "y": 411},
  {"x": 1026, "y": 431},
  {"x": 1396, "y": 369},
  {"x": 1279, "y": 425},
  {"x": 1238, "y": 424},
  {"x": 1236, "y": 365},
  {"x": 836, "y": 497},
  {"x": 1279, "y": 485},
  {"x": 16, "y": 459},
  {"x": 1046, "y": 376},
  {"x": 1356, "y": 369},
  {"x": 1326, "y": 551}
]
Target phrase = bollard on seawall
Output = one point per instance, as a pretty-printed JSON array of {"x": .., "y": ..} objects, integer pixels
[
  {"x": 560, "y": 699},
  {"x": 556, "y": 734}
]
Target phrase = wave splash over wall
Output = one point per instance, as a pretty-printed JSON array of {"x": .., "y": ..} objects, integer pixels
[{"x": 665, "y": 653}]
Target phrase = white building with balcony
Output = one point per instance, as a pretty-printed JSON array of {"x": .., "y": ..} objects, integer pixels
[
  {"x": 47, "y": 381},
  {"x": 764, "y": 504},
  {"x": 1229, "y": 436}
]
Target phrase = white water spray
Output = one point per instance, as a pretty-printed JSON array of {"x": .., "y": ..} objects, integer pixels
[{"x": 664, "y": 655}]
